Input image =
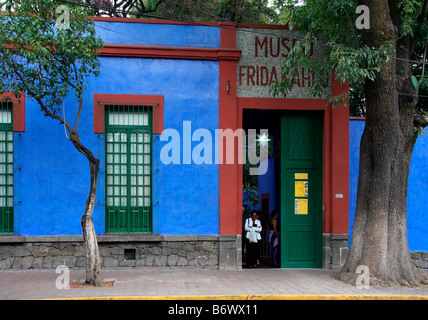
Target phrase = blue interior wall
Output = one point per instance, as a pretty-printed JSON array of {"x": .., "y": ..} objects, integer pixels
[
  {"x": 267, "y": 184},
  {"x": 52, "y": 177},
  {"x": 417, "y": 214}
]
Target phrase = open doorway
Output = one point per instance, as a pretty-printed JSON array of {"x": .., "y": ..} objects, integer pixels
[
  {"x": 261, "y": 193},
  {"x": 289, "y": 190}
]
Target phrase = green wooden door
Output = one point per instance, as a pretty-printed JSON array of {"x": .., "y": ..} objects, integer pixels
[{"x": 301, "y": 190}]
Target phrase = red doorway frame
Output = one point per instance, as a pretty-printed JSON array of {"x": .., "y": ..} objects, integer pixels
[{"x": 335, "y": 146}]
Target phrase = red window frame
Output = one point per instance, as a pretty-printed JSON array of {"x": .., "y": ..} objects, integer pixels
[
  {"x": 126, "y": 99},
  {"x": 18, "y": 110}
]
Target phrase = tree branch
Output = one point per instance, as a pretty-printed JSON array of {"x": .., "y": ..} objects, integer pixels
[
  {"x": 51, "y": 114},
  {"x": 75, "y": 139},
  {"x": 80, "y": 98},
  {"x": 40, "y": 101},
  {"x": 424, "y": 12},
  {"x": 78, "y": 114},
  {"x": 142, "y": 9},
  {"x": 420, "y": 121},
  {"x": 423, "y": 65}
]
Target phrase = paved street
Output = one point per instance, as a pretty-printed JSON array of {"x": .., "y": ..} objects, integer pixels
[{"x": 182, "y": 283}]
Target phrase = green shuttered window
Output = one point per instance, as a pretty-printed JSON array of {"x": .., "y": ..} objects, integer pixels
[
  {"x": 128, "y": 163},
  {"x": 6, "y": 168}
]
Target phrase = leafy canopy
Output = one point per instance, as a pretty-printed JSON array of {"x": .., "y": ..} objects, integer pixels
[
  {"x": 42, "y": 60},
  {"x": 333, "y": 24},
  {"x": 241, "y": 11}
]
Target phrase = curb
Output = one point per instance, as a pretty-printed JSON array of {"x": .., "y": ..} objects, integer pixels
[{"x": 260, "y": 297}]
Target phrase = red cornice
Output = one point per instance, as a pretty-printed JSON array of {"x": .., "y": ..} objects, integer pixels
[{"x": 160, "y": 52}]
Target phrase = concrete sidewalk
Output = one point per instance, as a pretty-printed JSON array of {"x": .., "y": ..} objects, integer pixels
[{"x": 195, "y": 283}]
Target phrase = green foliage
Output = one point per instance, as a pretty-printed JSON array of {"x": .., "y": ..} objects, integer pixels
[
  {"x": 357, "y": 103},
  {"x": 246, "y": 11},
  {"x": 418, "y": 70},
  {"x": 347, "y": 57},
  {"x": 297, "y": 58},
  {"x": 41, "y": 60},
  {"x": 282, "y": 9},
  {"x": 241, "y": 11},
  {"x": 251, "y": 196},
  {"x": 409, "y": 11}
]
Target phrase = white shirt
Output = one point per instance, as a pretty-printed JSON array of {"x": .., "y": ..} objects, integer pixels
[{"x": 258, "y": 228}]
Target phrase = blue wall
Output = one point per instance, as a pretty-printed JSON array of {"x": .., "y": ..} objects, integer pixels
[
  {"x": 52, "y": 177},
  {"x": 417, "y": 214},
  {"x": 159, "y": 34},
  {"x": 267, "y": 184}
]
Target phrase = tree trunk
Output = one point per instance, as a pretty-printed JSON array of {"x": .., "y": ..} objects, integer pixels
[
  {"x": 89, "y": 236},
  {"x": 92, "y": 255},
  {"x": 380, "y": 226}
]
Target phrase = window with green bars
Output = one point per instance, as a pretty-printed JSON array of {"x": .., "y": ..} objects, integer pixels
[
  {"x": 128, "y": 163},
  {"x": 6, "y": 168}
]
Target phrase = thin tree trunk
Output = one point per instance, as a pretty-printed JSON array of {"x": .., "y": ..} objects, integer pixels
[
  {"x": 92, "y": 255},
  {"x": 89, "y": 236}
]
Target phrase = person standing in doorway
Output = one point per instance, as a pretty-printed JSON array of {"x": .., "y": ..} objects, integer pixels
[
  {"x": 274, "y": 238},
  {"x": 245, "y": 215},
  {"x": 253, "y": 228},
  {"x": 260, "y": 218}
]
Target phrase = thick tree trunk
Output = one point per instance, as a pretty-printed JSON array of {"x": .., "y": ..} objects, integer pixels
[
  {"x": 380, "y": 226},
  {"x": 93, "y": 276}
]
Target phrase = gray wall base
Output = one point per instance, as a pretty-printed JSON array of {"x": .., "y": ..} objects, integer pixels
[
  {"x": 195, "y": 251},
  {"x": 335, "y": 250}
]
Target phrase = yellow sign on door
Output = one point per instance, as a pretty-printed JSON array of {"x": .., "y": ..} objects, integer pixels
[
  {"x": 301, "y": 176},
  {"x": 301, "y": 206},
  {"x": 300, "y": 189}
]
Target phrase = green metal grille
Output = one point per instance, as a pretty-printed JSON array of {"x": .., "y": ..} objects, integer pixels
[
  {"x": 128, "y": 164},
  {"x": 6, "y": 168}
]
